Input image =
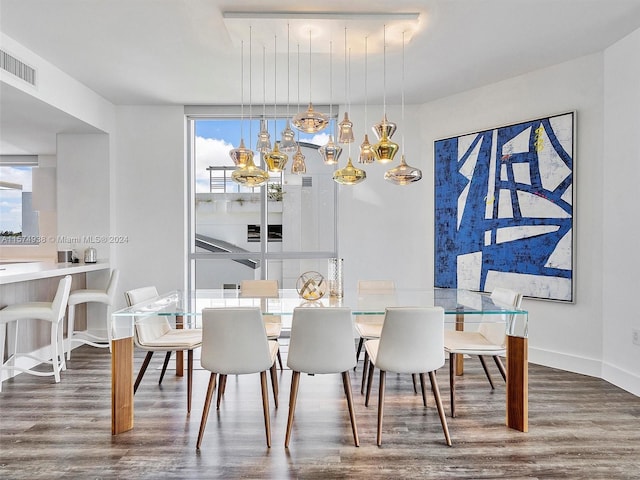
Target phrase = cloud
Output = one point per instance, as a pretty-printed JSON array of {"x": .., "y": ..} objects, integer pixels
[
  {"x": 210, "y": 152},
  {"x": 19, "y": 175}
]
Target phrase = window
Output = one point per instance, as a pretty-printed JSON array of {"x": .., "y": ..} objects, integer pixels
[
  {"x": 18, "y": 220},
  {"x": 276, "y": 231}
]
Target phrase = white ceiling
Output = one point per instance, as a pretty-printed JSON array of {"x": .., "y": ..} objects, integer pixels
[{"x": 185, "y": 52}]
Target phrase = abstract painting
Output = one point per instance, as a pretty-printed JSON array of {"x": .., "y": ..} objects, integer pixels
[{"x": 504, "y": 201}]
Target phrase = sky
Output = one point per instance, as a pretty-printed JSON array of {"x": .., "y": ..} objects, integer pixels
[
  {"x": 10, "y": 199},
  {"x": 216, "y": 137}
]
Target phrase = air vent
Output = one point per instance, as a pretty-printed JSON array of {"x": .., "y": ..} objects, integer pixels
[
  {"x": 14, "y": 66},
  {"x": 307, "y": 181}
]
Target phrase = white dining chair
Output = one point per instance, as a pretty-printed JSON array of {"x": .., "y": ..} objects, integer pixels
[
  {"x": 86, "y": 295},
  {"x": 411, "y": 341},
  {"x": 234, "y": 342},
  {"x": 265, "y": 289},
  {"x": 488, "y": 340},
  {"x": 51, "y": 312},
  {"x": 155, "y": 334},
  {"x": 321, "y": 343}
]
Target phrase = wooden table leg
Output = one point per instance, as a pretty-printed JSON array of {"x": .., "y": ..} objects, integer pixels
[
  {"x": 518, "y": 383},
  {"x": 459, "y": 358},
  {"x": 121, "y": 385},
  {"x": 179, "y": 353}
]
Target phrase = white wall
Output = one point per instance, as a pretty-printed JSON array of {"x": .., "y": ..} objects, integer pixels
[
  {"x": 621, "y": 228},
  {"x": 149, "y": 197}
]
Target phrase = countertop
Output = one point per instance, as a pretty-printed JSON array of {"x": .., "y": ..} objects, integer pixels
[{"x": 21, "y": 272}]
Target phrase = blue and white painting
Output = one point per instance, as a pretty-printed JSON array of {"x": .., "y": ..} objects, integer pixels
[{"x": 504, "y": 209}]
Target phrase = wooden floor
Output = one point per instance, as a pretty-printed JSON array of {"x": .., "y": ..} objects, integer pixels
[{"x": 580, "y": 428}]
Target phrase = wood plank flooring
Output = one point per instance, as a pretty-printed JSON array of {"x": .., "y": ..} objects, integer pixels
[{"x": 579, "y": 428}]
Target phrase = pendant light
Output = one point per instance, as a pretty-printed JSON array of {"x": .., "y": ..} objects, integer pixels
[
  {"x": 264, "y": 139},
  {"x": 288, "y": 136},
  {"x": 330, "y": 152},
  {"x": 403, "y": 174},
  {"x": 349, "y": 175},
  {"x": 367, "y": 155},
  {"x": 345, "y": 127},
  {"x": 310, "y": 121},
  {"x": 241, "y": 155},
  {"x": 298, "y": 166},
  {"x": 275, "y": 159},
  {"x": 385, "y": 149},
  {"x": 249, "y": 174}
]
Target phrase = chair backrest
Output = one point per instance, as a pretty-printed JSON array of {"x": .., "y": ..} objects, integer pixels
[
  {"x": 149, "y": 327},
  {"x": 412, "y": 340},
  {"x": 495, "y": 332},
  {"x": 321, "y": 340},
  {"x": 113, "y": 284},
  {"x": 59, "y": 303},
  {"x": 259, "y": 288},
  {"x": 234, "y": 341},
  {"x": 376, "y": 286}
]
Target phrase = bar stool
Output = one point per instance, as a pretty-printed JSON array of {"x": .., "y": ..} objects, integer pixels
[
  {"x": 52, "y": 312},
  {"x": 86, "y": 295}
]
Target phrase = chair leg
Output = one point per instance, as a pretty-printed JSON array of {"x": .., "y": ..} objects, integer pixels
[
  {"x": 71, "y": 311},
  {"x": 500, "y": 366},
  {"x": 352, "y": 414},
  {"x": 143, "y": 369},
  {"x": 486, "y": 371},
  {"x": 415, "y": 387},
  {"x": 293, "y": 397},
  {"x": 221, "y": 387},
  {"x": 189, "y": 379},
  {"x": 360, "y": 343},
  {"x": 60, "y": 340},
  {"x": 55, "y": 353},
  {"x": 365, "y": 366},
  {"x": 274, "y": 384},
  {"x": 452, "y": 382},
  {"x": 265, "y": 406},
  {"x": 167, "y": 357},
  {"x": 279, "y": 360},
  {"x": 380, "y": 407},
  {"x": 207, "y": 406},
  {"x": 369, "y": 382},
  {"x": 436, "y": 394},
  {"x": 424, "y": 393}
]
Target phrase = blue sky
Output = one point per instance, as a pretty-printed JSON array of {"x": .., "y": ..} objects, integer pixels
[{"x": 11, "y": 199}]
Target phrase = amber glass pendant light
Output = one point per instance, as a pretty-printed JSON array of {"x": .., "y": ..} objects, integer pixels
[
  {"x": 367, "y": 155},
  {"x": 385, "y": 149},
  {"x": 249, "y": 174},
  {"x": 330, "y": 152},
  {"x": 349, "y": 175},
  {"x": 345, "y": 127},
  {"x": 288, "y": 137},
  {"x": 298, "y": 166},
  {"x": 275, "y": 159},
  {"x": 403, "y": 174},
  {"x": 241, "y": 155},
  {"x": 310, "y": 121},
  {"x": 264, "y": 139}
]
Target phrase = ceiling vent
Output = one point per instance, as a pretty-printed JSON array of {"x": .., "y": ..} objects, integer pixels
[
  {"x": 15, "y": 67},
  {"x": 307, "y": 181}
]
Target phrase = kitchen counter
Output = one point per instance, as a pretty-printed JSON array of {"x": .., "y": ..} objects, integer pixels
[{"x": 21, "y": 272}]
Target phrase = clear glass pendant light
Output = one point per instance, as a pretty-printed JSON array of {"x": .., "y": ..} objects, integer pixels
[
  {"x": 264, "y": 139},
  {"x": 310, "y": 121},
  {"x": 275, "y": 159},
  {"x": 330, "y": 152},
  {"x": 385, "y": 149},
  {"x": 345, "y": 127},
  {"x": 249, "y": 174},
  {"x": 403, "y": 174},
  {"x": 241, "y": 155},
  {"x": 367, "y": 155},
  {"x": 288, "y": 137}
]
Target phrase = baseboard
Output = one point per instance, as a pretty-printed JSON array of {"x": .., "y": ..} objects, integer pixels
[{"x": 587, "y": 366}]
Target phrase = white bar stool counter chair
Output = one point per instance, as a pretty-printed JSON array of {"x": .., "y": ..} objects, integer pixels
[
  {"x": 86, "y": 295},
  {"x": 321, "y": 342},
  {"x": 52, "y": 312}
]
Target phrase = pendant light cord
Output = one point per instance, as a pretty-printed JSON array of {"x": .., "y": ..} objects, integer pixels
[
  {"x": 288, "y": 69},
  {"x": 241, "y": 90},
  {"x": 275, "y": 86},
  {"x": 250, "y": 101},
  {"x": 331, "y": 83},
  {"x": 384, "y": 71},
  {"x": 402, "y": 87},
  {"x": 309, "y": 67},
  {"x": 264, "y": 82},
  {"x": 365, "y": 82}
]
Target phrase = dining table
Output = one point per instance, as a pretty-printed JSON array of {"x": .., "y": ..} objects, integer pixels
[{"x": 462, "y": 308}]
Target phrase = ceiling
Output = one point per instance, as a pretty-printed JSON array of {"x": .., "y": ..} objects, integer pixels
[{"x": 160, "y": 52}]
